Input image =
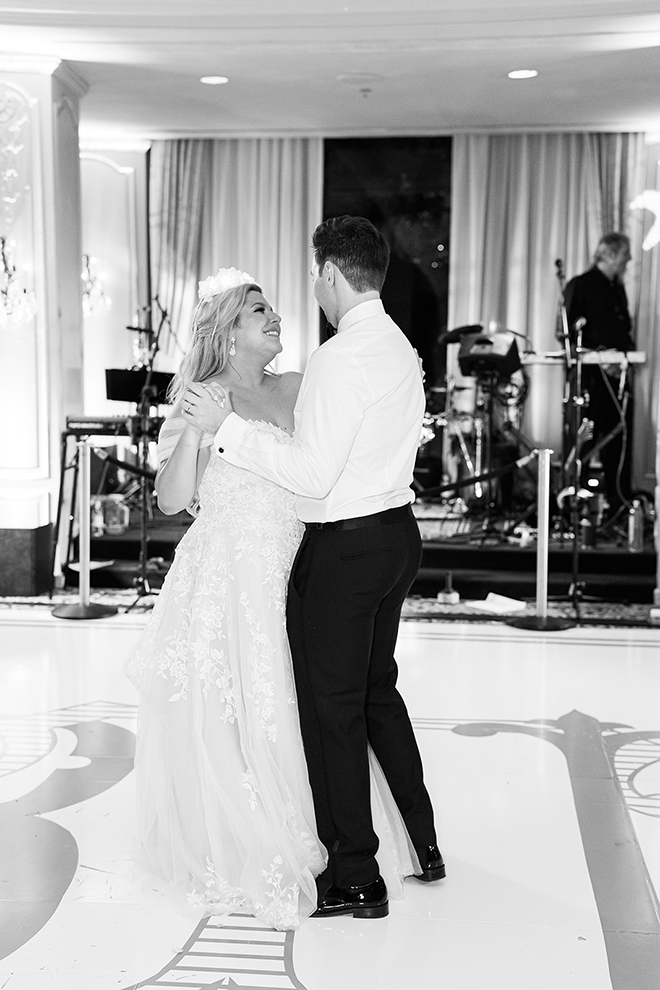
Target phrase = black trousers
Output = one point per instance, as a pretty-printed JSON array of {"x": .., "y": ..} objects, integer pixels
[{"x": 346, "y": 591}]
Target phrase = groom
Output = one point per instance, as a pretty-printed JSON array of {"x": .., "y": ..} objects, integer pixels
[{"x": 357, "y": 428}]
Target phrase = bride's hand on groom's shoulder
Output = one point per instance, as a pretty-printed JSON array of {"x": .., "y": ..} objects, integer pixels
[{"x": 206, "y": 406}]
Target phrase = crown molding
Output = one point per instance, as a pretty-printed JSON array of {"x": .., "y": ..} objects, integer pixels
[
  {"x": 41, "y": 65},
  {"x": 44, "y": 65}
]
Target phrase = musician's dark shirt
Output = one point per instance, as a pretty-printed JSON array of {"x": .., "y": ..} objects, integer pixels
[{"x": 604, "y": 305}]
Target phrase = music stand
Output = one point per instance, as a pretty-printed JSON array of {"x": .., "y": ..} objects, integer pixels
[{"x": 126, "y": 384}]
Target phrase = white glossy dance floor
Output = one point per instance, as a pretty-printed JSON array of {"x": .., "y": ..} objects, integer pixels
[{"x": 542, "y": 756}]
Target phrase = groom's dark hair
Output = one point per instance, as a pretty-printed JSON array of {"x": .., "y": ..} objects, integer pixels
[{"x": 356, "y": 247}]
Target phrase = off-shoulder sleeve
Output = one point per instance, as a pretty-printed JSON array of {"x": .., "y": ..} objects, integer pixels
[{"x": 168, "y": 438}]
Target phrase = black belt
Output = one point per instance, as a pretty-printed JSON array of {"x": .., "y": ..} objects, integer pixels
[{"x": 385, "y": 518}]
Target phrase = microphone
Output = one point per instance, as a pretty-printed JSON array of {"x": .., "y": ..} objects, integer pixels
[{"x": 579, "y": 324}]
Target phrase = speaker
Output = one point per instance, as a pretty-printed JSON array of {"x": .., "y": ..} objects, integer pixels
[
  {"x": 25, "y": 561},
  {"x": 484, "y": 354}
]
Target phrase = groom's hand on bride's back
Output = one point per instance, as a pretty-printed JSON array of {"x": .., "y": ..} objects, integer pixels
[{"x": 206, "y": 406}]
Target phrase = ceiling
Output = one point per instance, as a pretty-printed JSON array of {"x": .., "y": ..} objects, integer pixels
[{"x": 347, "y": 67}]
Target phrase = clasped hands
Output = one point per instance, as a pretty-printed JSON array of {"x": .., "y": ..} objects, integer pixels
[{"x": 206, "y": 406}]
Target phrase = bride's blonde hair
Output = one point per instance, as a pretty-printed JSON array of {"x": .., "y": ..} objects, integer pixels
[{"x": 213, "y": 323}]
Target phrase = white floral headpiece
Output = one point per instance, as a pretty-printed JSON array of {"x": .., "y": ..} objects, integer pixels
[{"x": 226, "y": 278}]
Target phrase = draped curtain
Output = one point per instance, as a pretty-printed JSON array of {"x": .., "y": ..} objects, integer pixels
[
  {"x": 245, "y": 203},
  {"x": 520, "y": 202},
  {"x": 178, "y": 194}
]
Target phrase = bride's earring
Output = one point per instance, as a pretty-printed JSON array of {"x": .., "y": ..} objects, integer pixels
[{"x": 232, "y": 346}]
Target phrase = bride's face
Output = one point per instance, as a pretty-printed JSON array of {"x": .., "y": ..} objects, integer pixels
[{"x": 258, "y": 327}]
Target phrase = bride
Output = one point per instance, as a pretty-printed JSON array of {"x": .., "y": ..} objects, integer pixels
[{"x": 225, "y": 812}]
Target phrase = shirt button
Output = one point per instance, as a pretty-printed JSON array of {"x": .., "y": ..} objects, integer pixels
[{"x": 221, "y": 450}]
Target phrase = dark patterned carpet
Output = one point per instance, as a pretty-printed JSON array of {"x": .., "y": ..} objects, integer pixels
[
  {"x": 586, "y": 613},
  {"x": 415, "y": 608}
]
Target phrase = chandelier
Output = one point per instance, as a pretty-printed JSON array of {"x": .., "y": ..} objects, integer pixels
[
  {"x": 94, "y": 298},
  {"x": 17, "y": 306}
]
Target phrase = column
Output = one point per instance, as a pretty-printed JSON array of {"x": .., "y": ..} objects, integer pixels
[{"x": 40, "y": 308}]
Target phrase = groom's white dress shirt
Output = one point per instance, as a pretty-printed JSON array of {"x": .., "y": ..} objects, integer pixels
[{"x": 357, "y": 424}]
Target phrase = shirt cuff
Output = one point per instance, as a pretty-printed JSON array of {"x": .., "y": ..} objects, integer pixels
[{"x": 230, "y": 434}]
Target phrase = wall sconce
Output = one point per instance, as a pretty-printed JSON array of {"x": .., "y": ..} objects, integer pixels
[
  {"x": 17, "y": 306},
  {"x": 94, "y": 298}
]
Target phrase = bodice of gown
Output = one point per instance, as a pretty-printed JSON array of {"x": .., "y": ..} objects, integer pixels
[
  {"x": 239, "y": 548},
  {"x": 235, "y": 502}
]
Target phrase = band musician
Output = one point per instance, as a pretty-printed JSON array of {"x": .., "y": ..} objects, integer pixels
[{"x": 598, "y": 297}]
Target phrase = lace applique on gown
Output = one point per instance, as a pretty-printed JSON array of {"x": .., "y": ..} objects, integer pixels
[{"x": 225, "y": 812}]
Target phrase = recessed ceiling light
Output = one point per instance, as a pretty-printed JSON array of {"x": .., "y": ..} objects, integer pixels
[
  {"x": 359, "y": 78},
  {"x": 522, "y": 74},
  {"x": 214, "y": 80}
]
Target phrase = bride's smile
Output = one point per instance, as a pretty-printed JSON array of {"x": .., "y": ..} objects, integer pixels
[{"x": 257, "y": 320}]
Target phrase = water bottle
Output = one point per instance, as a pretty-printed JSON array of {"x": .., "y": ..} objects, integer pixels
[
  {"x": 97, "y": 521},
  {"x": 636, "y": 527},
  {"x": 587, "y": 533}
]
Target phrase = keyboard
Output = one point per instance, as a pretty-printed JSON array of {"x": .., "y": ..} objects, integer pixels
[
  {"x": 96, "y": 426},
  {"x": 609, "y": 357}
]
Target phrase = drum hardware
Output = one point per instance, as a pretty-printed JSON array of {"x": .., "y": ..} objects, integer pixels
[
  {"x": 450, "y": 422},
  {"x": 490, "y": 360},
  {"x": 456, "y": 336}
]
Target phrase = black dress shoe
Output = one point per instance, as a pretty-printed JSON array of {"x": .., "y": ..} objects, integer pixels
[
  {"x": 367, "y": 901},
  {"x": 433, "y": 867}
]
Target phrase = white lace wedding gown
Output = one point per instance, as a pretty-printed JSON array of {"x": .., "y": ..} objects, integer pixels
[{"x": 225, "y": 813}]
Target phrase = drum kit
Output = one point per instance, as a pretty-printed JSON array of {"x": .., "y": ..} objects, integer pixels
[
  {"x": 467, "y": 419},
  {"x": 471, "y": 443}
]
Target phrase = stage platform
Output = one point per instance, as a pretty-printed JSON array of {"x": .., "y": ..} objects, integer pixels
[
  {"x": 480, "y": 565},
  {"x": 478, "y": 554}
]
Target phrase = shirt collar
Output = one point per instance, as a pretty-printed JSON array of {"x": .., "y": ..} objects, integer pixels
[
  {"x": 610, "y": 281},
  {"x": 363, "y": 311}
]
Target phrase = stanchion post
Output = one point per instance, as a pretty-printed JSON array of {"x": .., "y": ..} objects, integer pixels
[
  {"x": 656, "y": 523},
  {"x": 542, "y": 620},
  {"x": 84, "y": 609},
  {"x": 543, "y": 534}
]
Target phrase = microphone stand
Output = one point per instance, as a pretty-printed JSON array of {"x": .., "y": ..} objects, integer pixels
[
  {"x": 575, "y": 402},
  {"x": 141, "y": 430},
  {"x": 579, "y": 401},
  {"x": 563, "y": 336}
]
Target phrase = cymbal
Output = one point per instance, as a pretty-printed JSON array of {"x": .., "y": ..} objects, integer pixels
[{"x": 454, "y": 336}]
